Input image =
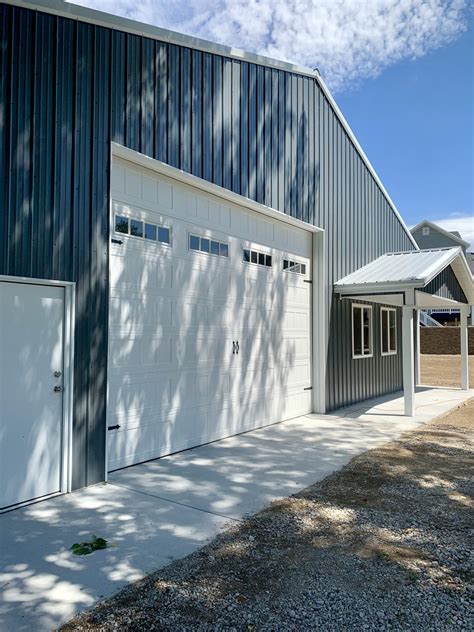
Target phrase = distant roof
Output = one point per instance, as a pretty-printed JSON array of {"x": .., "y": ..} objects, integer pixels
[
  {"x": 451, "y": 234},
  {"x": 412, "y": 269}
]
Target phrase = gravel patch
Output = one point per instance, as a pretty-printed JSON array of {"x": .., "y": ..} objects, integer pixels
[{"x": 383, "y": 544}]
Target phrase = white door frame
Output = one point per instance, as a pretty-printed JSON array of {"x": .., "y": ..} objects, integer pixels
[
  {"x": 68, "y": 372},
  {"x": 320, "y": 288}
]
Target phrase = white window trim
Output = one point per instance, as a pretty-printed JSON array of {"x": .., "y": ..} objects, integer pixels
[
  {"x": 389, "y": 352},
  {"x": 363, "y": 356},
  {"x": 425, "y": 230}
]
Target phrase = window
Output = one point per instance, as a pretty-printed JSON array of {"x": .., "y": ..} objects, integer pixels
[
  {"x": 294, "y": 266},
  {"x": 426, "y": 230},
  {"x": 388, "y": 330},
  {"x": 361, "y": 331},
  {"x": 260, "y": 258},
  {"x": 144, "y": 230},
  {"x": 209, "y": 246}
]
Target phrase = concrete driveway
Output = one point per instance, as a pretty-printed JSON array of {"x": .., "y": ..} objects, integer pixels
[{"x": 162, "y": 510}]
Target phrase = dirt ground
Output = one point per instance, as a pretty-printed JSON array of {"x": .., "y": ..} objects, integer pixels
[
  {"x": 381, "y": 544},
  {"x": 444, "y": 370}
]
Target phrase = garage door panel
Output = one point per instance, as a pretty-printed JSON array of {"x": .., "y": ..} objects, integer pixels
[{"x": 175, "y": 377}]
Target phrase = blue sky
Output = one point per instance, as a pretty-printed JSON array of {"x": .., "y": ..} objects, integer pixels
[
  {"x": 415, "y": 121},
  {"x": 400, "y": 70}
]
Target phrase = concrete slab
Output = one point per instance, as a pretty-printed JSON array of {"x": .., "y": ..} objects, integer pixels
[
  {"x": 43, "y": 584},
  {"x": 165, "y": 509},
  {"x": 242, "y": 474}
]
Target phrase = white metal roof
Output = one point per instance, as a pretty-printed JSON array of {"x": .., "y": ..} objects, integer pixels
[{"x": 414, "y": 269}]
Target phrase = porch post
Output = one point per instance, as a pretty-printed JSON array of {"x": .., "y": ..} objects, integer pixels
[
  {"x": 408, "y": 360},
  {"x": 464, "y": 349},
  {"x": 417, "y": 349}
]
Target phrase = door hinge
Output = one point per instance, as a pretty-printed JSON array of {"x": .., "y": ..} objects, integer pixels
[
  {"x": 308, "y": 388},
  {"x": 307, "y": 281},
  {"x": 117, "y": 241},
  {"x": 113, "y": 427}
]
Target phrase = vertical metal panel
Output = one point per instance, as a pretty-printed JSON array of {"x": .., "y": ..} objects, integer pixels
[
  {"x": 227, "y": 123},
  {"x": 196, "y": 114},
  {"x": 244, "y": 129},
  {"x": 68, "y": 88},
  {"x": 236, "y": 125},
  {"x": 185, "y": 99},
  {"x": 207, "y": 112},
  {"x": 161, "y": 101}
]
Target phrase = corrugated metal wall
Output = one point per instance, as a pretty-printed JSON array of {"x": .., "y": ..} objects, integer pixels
[
  {"x": 68, "y": 88},
  {"x": 447, "y": 286}
]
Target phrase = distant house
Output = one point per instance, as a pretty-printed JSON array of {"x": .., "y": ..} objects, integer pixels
[{"x": 429, "y": 235}]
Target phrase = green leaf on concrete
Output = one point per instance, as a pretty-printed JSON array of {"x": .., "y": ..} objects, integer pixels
[{"x": 86, "y": 548}]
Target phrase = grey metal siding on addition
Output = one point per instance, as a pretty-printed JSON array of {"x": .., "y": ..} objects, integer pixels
[
  {"x": 446, "y": 285},
  {"x": 69, "y": 88}
]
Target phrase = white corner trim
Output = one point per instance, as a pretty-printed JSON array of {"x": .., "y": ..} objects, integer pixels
[
  {"x": 135, "y": 157},
  {"x": 100, "y": 18},
  {"x": 319, "y": 323}
]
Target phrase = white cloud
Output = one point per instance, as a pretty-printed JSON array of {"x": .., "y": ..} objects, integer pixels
[
  {"x": 463, "y": 224},
  {"x": 348, "y": 40}
]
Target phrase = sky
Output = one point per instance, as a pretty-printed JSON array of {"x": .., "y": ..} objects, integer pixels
[{"x": 401, "y": 71}]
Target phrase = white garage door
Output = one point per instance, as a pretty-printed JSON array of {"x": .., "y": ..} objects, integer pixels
[{"x": 209, "y": 327}]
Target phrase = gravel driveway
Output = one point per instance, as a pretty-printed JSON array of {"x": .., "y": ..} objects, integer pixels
[{"x": 383, "y": 544}]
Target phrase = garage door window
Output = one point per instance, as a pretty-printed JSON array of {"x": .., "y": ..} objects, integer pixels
[
  {"x": 208, "y": 246},
  {"x": 144, "y": 230},
  {"x": 294, "y": 266},
  {"x": 362, "y": 331},
  {"x": 259, "y": 258}
]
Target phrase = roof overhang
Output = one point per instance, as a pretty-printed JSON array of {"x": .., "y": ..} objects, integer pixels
[{"x": 401, "y": 274}]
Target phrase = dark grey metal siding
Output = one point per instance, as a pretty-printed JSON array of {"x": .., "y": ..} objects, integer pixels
[
  {"x": 68, "y": 88},
  {"x": 447, "y": 286}
]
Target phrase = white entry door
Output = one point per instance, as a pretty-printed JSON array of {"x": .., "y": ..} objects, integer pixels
[
  {"x": 31, "y": 366},
  {"x": 209, "y": 319}
]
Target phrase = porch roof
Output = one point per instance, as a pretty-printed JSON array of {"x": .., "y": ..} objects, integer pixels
[{"x": 401, "y": 271}]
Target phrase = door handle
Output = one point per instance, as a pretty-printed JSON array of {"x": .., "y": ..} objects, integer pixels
[
  {"x": 58, "y": 389},
  {"x": 233, "y": 347},
  {"x": 237, "y": 347}
]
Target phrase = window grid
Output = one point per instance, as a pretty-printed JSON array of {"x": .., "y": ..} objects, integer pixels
[
  {"x": 362, "y": 331},
  {"x": 257, "y": 258},
  {"x": 388, "y": 331},
  {"x": 143, "y": 230},
  {"x": 208, "y": 246},
  {"x": 294, "y": 266}
]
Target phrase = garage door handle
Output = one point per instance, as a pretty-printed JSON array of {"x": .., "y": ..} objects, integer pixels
[
  {"x": 233, "y": 346},
  {"x": 113, "y": 427},
  {"x": 237, "y": 347}
]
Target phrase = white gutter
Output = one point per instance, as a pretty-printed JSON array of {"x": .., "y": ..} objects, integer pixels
[{"x": 100, "y": 18}]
